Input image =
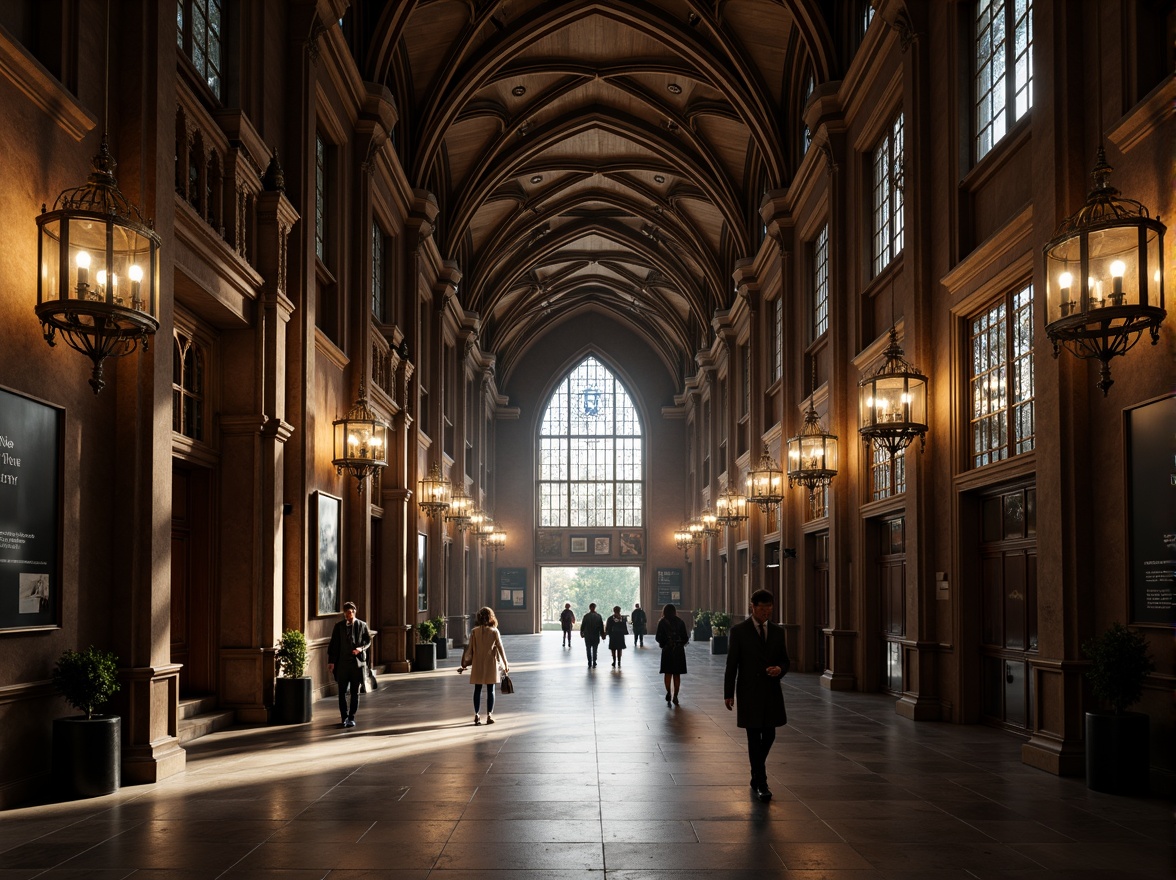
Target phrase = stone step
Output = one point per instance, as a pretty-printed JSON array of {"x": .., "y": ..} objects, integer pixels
[
  {"x": 193, "y": 706},
  {"x": 196, "y": 726}
]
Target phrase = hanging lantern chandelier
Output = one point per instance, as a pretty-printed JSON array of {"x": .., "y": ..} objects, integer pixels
[
  {"x": 893, "y": 402},
  {"x": 99, "y": 270},
  {"x": 731, "y": 506},
  {"x": 812, "y": 454},
  {"x": 433, "y": 492},
  {"x": 709, "y": 521},
  {"x": 460, "y": 507},
  {"x": 1104, "y": 279},
  {"x": 361, "y": 441},
  {"x": 765, "y": 482}
]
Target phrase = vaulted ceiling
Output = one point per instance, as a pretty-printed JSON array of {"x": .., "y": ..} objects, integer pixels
[{"x": 599, "y": 154}]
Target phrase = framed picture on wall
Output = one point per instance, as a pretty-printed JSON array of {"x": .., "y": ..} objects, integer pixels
[
  {"x": 579, "y": 544},
  {"x": 422, "y": 572},
  {"x": 602, "y": 546},
  {"x": 328, "y": 513},
  {"x": 31, "y": 465},
  {"x": 549, "y": 543},
  {"x": 632, "y": 544}
]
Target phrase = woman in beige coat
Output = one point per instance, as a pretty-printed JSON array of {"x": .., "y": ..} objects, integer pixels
[{"x": 485, "y": 659}]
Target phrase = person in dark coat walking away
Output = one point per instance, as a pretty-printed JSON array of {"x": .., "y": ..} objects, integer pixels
[
  {"x": 616, "y": 630},
  {"x": 346, "y": 657},
  {"x": 637, "y": 619},
  {"x": 672, "y": 636},
  {"x": 757, "y": 658},
  {"x": 567, "y": 619},
  {"x": 592, "y": 631}
]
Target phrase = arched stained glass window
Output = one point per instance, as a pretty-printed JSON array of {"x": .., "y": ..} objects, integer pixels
[{"x": 590, "y": 453}]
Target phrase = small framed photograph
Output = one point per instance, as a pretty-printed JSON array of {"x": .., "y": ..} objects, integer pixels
[
  {"x": 602, "y": 546},
  {"x": 579, "y": 544}
]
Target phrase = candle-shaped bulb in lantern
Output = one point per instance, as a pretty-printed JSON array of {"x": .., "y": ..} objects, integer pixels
[
  {"x": 1118, "y": 267},
  {"x": 83, "y": 263},
  {"x": 136, "y": 275}
]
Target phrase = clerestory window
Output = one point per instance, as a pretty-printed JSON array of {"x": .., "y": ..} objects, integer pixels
[
  {"x": 200, "y": 36},
  {"x": 1003, "y": 88},
  {"x": 591, "y": 453}
]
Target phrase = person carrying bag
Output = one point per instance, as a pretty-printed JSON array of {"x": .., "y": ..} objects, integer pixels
[{"x": 482, "y": 657}]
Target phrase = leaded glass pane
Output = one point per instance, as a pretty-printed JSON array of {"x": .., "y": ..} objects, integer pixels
[
  {"x": 1002, "y": 379},
  {"x": 590, "y": 452}
]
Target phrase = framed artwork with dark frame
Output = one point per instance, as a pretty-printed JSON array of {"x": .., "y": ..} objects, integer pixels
[
  {"x": 32, "y": 457},
  {"x": 548, "y": 543},
  {"x": 579, "y": 543},
  {"x": 602, "y": 545},
  {"x": 632, "y": 544},
  {"x": 328, "y": 516}
]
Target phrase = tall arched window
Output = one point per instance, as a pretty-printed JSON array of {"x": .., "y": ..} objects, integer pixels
[{"x": 590, "y": 453}]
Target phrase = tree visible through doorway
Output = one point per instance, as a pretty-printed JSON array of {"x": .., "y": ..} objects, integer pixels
[{"x": 607, "y": 587}]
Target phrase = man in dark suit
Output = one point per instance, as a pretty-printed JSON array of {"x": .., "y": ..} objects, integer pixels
[
  {"x": 346, "y": 657},
  {"x": 757, "y": 658},
  {"x": 592, "y": 631}
]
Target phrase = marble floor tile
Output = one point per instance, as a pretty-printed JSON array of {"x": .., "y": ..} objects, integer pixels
[{"x": 587, "y": 775}]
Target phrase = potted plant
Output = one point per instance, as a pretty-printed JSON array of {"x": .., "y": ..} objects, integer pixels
[
  {"x": 292, "y": 691},
  {"x": 1117, "y": 740},
  {"x": 439, "y": 639},
  {"x": 702, "y": 625},
  {"x": 87, "y": 748},
  {"x": 720, "y": 622},
  {"x": 426, "y": 649}
]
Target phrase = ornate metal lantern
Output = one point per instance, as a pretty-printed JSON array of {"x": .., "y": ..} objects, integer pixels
[
  {"x": 765, "y": 482},
  {"x": 433, "y": 492},
  {"x": 812, "y": 454},
  {"x": 1104, "y": 279},
  {"x": 893, "y": 402},
  {"x": 99, "y": 270},
  {"x": 460, "y": 507},
  {"x": 361, "y": 441},
  {"x": 731, "y": 506}
]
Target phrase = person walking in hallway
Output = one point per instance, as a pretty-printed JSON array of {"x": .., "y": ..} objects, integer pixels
[
  {"x": 592, "y": 631},
  {"x": 638, "y": 619},
  {"x": 757, "y": 658},
  {"x": 346, "y": 657},
  {"x": 486, "y": 660},
  {"x": 616, "y": 630},
  {"x": 672, "y": 636},
  {"x": 567, "y": 619}
]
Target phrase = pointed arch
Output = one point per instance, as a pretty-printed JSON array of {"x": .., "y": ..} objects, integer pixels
[{"x": 590, "y": 452}]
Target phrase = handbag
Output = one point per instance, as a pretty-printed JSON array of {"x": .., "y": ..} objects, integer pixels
[
  {"x": 370, "y": 682},
  {"x": 506, "y": 686}
]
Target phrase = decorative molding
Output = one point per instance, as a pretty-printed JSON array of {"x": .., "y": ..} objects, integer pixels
[{"x": 43, "y": 89}]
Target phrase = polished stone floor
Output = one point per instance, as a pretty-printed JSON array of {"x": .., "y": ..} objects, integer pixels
[{"x": 589, "y": 774}]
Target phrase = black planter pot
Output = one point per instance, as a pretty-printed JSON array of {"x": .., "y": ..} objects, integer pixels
[
  {"x": 292, "y": 700},
  {"x": 719, "y": 644},
  {"x": 702, "y": 633},
  {"x": 426, "y": 657},
  {"x": 442, "y": 647},
  {"x": 1117, "y": 752},
  {"x": 87, "y": 755}
]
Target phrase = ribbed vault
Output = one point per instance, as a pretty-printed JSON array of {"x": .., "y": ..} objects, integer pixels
[{"x": 605, "y": 155}]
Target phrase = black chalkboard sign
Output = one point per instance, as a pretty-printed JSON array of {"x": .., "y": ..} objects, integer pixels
[
  {"x": 512, "y": 589},
  {"x": 669, "y": 586},
  {"x": 32, "y": 438},
  {"x": 1151, "y": 526}
]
